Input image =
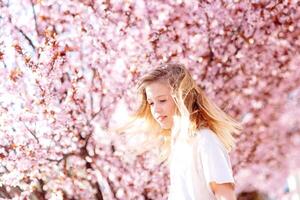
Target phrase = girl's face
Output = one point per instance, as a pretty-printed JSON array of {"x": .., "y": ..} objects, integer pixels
[{"x": 161, "y": 103}]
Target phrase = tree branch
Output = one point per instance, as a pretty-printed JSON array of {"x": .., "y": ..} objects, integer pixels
[
  {"x": 32, "y": 133},
  {"x": 26, "y": 37},
  {"x": 34, "y": 17}
]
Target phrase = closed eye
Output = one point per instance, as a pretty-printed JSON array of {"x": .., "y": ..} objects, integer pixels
[{"x": 161, "y": 101}]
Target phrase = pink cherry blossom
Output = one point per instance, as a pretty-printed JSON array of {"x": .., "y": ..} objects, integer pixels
[{"x": 65, "y": 66}]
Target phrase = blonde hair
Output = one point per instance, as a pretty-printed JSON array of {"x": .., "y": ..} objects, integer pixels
[{"x": 194, "y": 109}]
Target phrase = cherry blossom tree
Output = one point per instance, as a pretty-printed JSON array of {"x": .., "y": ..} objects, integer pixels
[{"x": 65, "y": 66}]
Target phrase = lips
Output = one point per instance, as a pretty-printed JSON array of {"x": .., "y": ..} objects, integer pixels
[{"x": 160, "y": 118}]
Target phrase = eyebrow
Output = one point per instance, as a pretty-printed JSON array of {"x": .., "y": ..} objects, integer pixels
[{"x": 157, "y": 97}]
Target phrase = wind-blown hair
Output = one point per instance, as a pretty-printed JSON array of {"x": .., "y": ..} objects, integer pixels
[{"x": 194, "y": 111}]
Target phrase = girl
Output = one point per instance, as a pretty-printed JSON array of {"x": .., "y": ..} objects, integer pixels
[{"x": 193, "y": 134}]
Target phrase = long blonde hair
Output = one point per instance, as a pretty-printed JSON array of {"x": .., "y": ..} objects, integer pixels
[{"x": 193, "y": 108}]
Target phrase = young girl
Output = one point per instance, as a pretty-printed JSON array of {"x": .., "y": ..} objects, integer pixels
[{"x": 193, "y": 133}]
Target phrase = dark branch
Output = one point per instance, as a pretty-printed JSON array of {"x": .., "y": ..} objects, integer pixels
[
  {"x": 26, "y": 37},
  {"x": 5, "y": 66},
  {"x": 34, "y": 16},
  {"x": 31, "y": 132}
]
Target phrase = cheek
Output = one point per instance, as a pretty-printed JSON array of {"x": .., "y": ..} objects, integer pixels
[{"x": 172, "y": 108}]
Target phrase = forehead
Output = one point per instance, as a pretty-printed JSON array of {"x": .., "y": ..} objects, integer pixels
[{"x": 157, "y": 89}]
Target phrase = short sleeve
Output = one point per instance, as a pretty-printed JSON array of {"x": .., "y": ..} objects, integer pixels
[{"x": 214, "y": 159}]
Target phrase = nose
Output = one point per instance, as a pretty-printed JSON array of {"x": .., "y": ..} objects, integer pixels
[{"x": 157, "y": 109}]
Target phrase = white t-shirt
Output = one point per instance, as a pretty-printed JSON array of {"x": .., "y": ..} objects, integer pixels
[{"x": 193, "y": 166}]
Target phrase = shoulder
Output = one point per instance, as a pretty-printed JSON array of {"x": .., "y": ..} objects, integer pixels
[
  {"x": 206, "y": 135},
  {"x": 208, "y": 138}
]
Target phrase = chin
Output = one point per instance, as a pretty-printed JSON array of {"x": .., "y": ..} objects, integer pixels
[{"x": 164, "y": 126}]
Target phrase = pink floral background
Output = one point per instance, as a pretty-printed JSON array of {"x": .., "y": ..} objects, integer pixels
[{"x": 68, "y": 70}]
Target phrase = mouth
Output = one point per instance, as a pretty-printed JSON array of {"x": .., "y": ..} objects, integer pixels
[{"x": 161, "y": 118}]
